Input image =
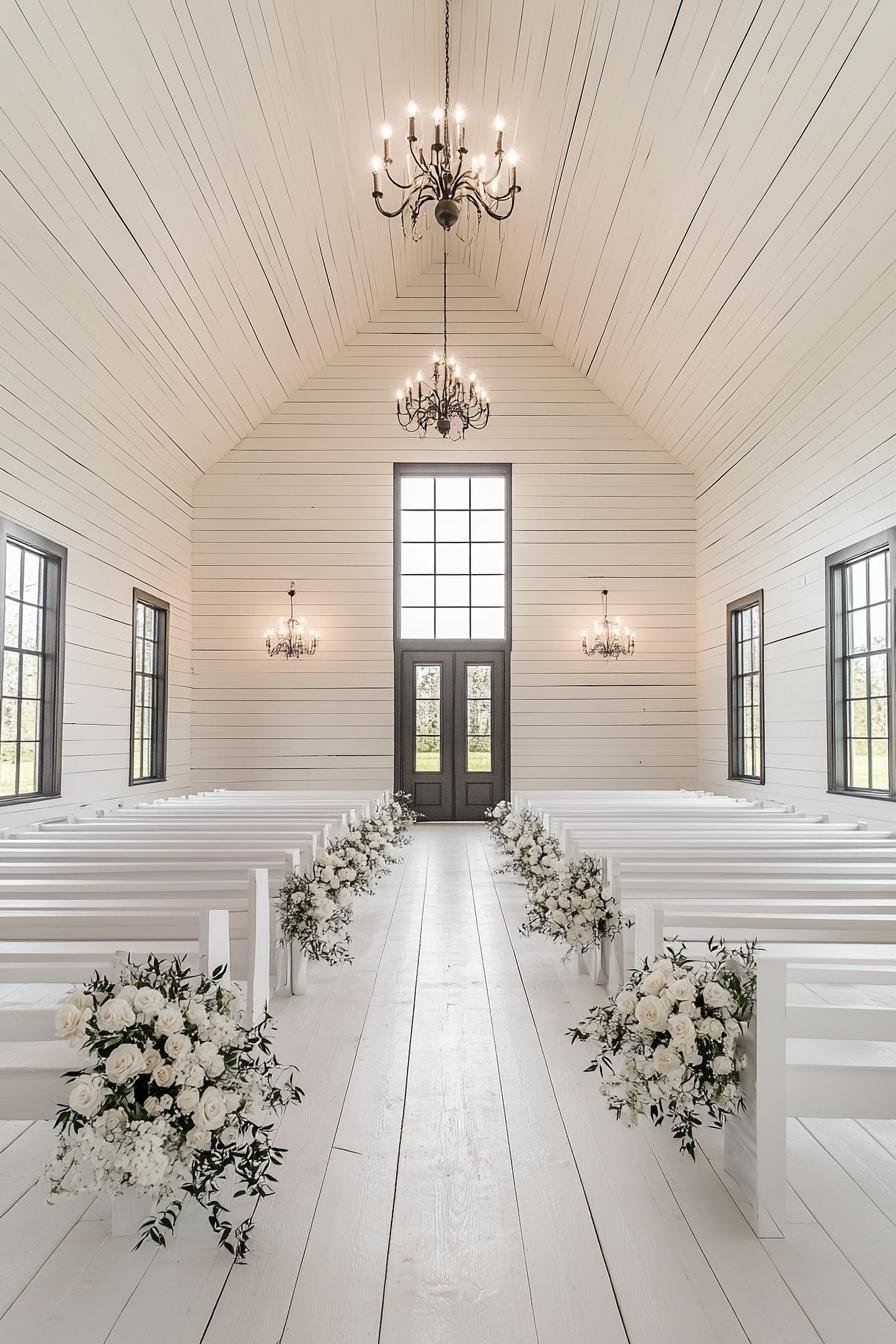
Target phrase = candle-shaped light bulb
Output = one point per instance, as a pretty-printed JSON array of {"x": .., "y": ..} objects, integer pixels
[
  {"x": 412, "y": 125},
  {"x": 435, "y": 358},
  {"x": 376, "y": 167},
  {"x": 412, "y": 109},
  {"x": 437, "y": 115},
  {"x": 473, "y": 378},
  {"x": 398, "y": 394},
  {"x": 419, "y": 376},
  {"x": 513, "y": 159},
  {"x": 499, "y": 127},
  {"x": 386, "y": 133},
  {"x": 460, "y": 116},
  {"x": 499, "y": 122}
]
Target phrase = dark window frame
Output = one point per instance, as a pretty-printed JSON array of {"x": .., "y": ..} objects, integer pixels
[
  {"x": 733, "y": 676},
  {"x": 159, "y": 740},
  {"x": 471, "y": 645},
  {"x": 836, "y": 665},
  {"x": 52, "y": 697}
]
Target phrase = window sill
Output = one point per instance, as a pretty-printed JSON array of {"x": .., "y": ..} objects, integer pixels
[
  {"x": 873, "y": 795},
  {"x": 21, "y": 799}
]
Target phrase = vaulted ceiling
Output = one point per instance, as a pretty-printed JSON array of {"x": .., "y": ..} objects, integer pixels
[{"x": 186, "y": 232}]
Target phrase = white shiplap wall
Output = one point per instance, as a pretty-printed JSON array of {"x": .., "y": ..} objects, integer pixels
[
  {"x": 821, "y": 476},
  {"x": 124, "y": 528},
  {"x": 309, "y": 495}
]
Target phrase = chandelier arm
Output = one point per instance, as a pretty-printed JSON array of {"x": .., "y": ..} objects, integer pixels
[
  {"x": 389, "y": 214},
  {"x": 494, "y": 214},
  {"x": 402, "y": 186}
]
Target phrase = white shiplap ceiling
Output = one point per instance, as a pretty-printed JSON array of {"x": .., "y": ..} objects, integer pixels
[
  {"x": 707, "y": 228},
  {"x": 186, "y": 231}
]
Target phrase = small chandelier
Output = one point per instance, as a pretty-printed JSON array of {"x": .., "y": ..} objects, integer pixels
[
  {"x": 612, "y": 639},
  {"x": 448, "y": 403},
  {"x": 442, "y": 176},
  {"x": 288, "y": 637}
]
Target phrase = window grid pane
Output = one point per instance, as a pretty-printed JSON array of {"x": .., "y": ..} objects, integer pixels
[
  {"x": 865, "y": 643},
  {"x": 453, "y": 556},
  {"x": 22, "y": 708},
  {"x": 745, "y": 692}
]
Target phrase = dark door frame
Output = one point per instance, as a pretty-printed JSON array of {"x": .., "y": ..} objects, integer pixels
[{"x": 451, "y": 645}]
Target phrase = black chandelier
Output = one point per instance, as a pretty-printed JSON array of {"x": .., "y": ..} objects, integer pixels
[
  {"x": 449, "y": 403},
  {"x": 288, "y": 638},
  {"x": 443, "y": 176}
]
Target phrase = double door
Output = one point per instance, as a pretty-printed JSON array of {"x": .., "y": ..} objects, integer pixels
[{"x": 450, "y": 730}]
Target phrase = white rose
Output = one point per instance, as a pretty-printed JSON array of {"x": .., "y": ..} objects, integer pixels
[
  {"x": 711, "y": 1027},
  {"x": 681, "y": 1029},
  {"x": 651, "y": 1013},
  {"x": 127, "y": 992},
  {"x": 653, "y": 983},
  {"x": 188, "y": 1100},
  {"x": 194, "y": 1076},
  {"x": 211, "y": 1111},
  {"x": 148, "y": 1000},
  {"x": 170, "y": 1020},
  {"x": 177, "y": 1045},
  {"x": 151, "y": 1105},
  {"x": 682, "y": 989},
  {"x": 125, "y": 1062},
  {"x": 666, "y": 1059},
  {"x": 716, "y": 995},
  {"x": 151, "y": 1058},
  {"x": 163, "y": 1075},
  {"x": 722, "y": 1065},
  {"x": 214, "y": 1067},
  {"x": 625, "y": 1002},
  {"x": 80, "y": 999},
  {"x": 198, "y": 1138},
  {"x": 196, "y": 1012},
  {"x": 70, "y": 1021},
  {"x": 115, "y": 1014},
  {"x": 87, "y": 1095}
]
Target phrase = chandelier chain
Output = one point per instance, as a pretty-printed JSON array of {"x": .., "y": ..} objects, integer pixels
[{"x": 447, "y": 59}]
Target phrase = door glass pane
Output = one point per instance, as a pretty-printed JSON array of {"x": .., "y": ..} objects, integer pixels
[
  {"x": 428, "y": 717},
  {"x": 479, "y": 718}
]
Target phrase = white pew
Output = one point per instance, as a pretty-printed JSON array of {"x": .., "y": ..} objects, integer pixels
[
  {"x": 32, "y": 1064},
  {"x": 818, "y": 1061},
  {"x": 157, "y": 903}
]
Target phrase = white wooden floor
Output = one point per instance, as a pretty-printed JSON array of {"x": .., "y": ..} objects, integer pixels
[{"x": 453, "y": 1176}]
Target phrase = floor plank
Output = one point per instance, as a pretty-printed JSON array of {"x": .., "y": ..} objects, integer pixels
[{"x": 457, "y": 1267}]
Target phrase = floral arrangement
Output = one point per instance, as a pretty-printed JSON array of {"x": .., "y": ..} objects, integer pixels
[
  {"x": 175, "y": 1100},
  {"x": 668, "y": 1044},
  {"x": 565, "y": 897},
  {"x": 315, "y": 908}
]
